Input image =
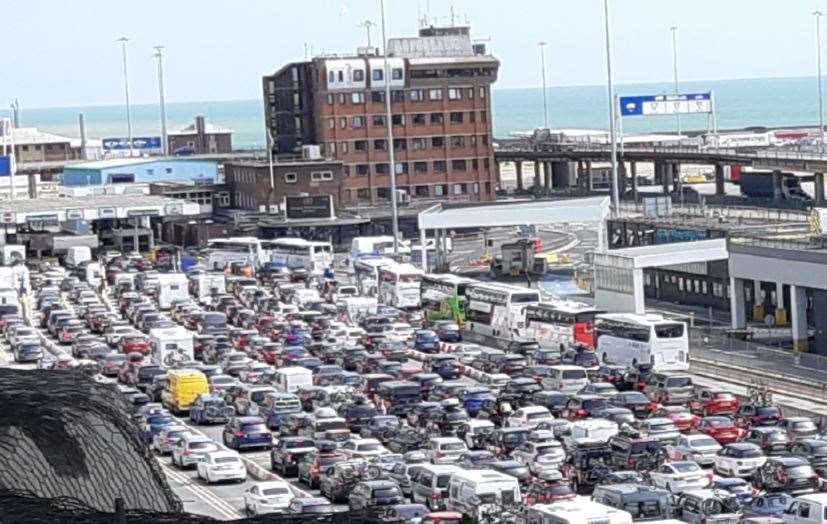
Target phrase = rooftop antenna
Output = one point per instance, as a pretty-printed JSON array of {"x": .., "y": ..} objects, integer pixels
[
  {"x": 367, "y": 24},
  {"x": 452, "y": 16}
]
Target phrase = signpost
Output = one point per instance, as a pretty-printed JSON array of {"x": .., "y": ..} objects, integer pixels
[
  {"x": 304, "y": 207},
  {"x": 675, "y": 104},
  {"x": 138, "y": 142}
]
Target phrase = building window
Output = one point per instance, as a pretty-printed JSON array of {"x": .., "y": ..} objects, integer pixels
[
  {"x": 454, "y": 93},
  {"x": 482, "y": 92},
  {"x": 346, "y": 170},
  {"x": 169, "y": 170},
  {"x": 357, "y": 98},
  {"x": 379, "y": 120},
  {"x": 380, "y": 144},
  {"x": 362, "y": 169},
  {"x": 321, "y": 176},
  {"x": 459, "y": 165},
  {"x": 363, "y": 194},
  {"x": 358, "y": 75},
  {"x": 398, "y": 120},
  {"x": 330, "y": 99},
  {"x": 457, "y": 142},
  {"x": 397, "y": 96},
  {"x": 470, "y": 93},
  {"x": 343, "y": 147},
  {"x": 341, "y": 76},
  {"x": 422, "y": 191},
  {"x": 439, "y": 190},
  {"x": 435, "y": 94},
  {"x": 484, "y": 139},
  {"x": 400, "y": 144},
  {"x": 290, "y": 178},
  {"x": 401, "y": 168},
  {"x": 438, "y": 141},
  {"x": 476, "y": 184},
  {"x": 149, "y": 172},
  {"x": 419, "y": 144},
  {"x": 397, "y": 73},
  {"x": 331, "y": 123},
  {"x": 377, "y": 97},
  {"x": 377, "y": 75},
  {"x": 439, "y": 166},
  {"x": 483, "y": 116},
  {"x": 416, "y": 95},
  {"x": 460, "y": 189},
  {"x": 475, "y": 164},
  {"x": 360, "y": 145},
  {"x": 381, "y": 169},
  {"x": 383, "y": 192},
  {"x": 437, "y": 118},
  {"x": 343, "y": 122},
  {"x": 332, "y": 146},
  {"x": 418, "y": 119},
  {"x": 341, "y": 99},
  {"x": 472, "y": 140},
  {"x": 456, "y": 117},
  {"x": 358, "y": 122},
  {"x": 331, "y": 77},
  {"x": 420, "y": 167}
]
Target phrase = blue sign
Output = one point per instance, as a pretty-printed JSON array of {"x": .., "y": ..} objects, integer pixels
[
  {"x": 647, "y": 105},
  {"x": 5, "y": 165},
  {"x": 138, "y": 142}
]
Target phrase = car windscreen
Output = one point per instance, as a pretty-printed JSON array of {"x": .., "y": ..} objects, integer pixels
[
  {"x": 678, "y": 382},
  {"x": 452, "y": 446},
  {"x": 800, "y": 471},
  {"x": 669, "y": 330},
  {"x": 574, "y": 374},
  {"x": 274, "y": 492},
  {"x": 227, "y": 460},
  {"x": 255, "y": 428}
]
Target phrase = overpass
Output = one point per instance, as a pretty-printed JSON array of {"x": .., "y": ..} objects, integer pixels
[{"x": 556, "y": 160}]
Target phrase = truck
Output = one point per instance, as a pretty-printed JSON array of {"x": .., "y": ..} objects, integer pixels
[
  {"x": 77, "y": 254},
  {"x": 519, "y": 258},
  {"x": 170, "y": 346},
  {"x": 206, "y": 285},
  {"x": 760, "y": 184},
  {"x": 172, "y": 287},
  {"x": 807, "y": 509}
]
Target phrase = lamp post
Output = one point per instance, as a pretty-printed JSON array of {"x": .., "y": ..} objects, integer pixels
[
  {"x": 123, "y": 40},
  {"x": 542, "y": 46},
  {"x": 674, "y": 30},
  {"x": 159, "y": 55},
  {"x": 817, "y": 15},
  {"x": 611, "y": 98},
  {"x": 389, "y": 124}
]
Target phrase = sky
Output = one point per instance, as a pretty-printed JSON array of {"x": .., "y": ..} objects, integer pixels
[{"x": 67, "y": 54}]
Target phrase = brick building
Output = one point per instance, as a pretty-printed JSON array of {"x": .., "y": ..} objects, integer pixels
[
  {"x": 249, "y": 182},
  {"x": 441, "y": 116},
  {"x": 201, "y": 137}
]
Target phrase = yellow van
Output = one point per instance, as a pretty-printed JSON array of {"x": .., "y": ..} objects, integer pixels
[{"x": 183, "y": 387}]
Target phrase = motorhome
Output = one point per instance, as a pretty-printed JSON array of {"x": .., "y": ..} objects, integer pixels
[
  {"x": 172, "y": 287},
  {"x": 205, "y": 285},
  {"x": 170, "y": 346}
]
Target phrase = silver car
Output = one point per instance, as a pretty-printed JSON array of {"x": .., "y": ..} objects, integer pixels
[
  {"x": 699, "y": 448},
  {"x": 165, "y": 440},
  {"x": 191, "y": 449}
]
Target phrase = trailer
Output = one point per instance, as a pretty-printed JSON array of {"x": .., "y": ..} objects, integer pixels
[
  {"x": 206, "y": 285},
  {"x": 172, "y": 287},
  {"x": 170, "y": 346}
]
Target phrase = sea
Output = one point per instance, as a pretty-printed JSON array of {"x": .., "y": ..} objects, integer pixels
[{"x": 771, "y": 102}]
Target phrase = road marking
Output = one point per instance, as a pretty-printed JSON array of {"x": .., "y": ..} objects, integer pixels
[{"x": 206, "y": 496}]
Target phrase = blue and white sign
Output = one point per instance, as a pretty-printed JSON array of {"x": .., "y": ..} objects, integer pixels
[
  {"x": 5, "y": 165},
  {"x": 680, "y": 104},
  {"x": 138, "y": 142}
]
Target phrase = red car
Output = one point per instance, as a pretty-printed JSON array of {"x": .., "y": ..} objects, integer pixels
[
  {"x": 134, "y": 344},
  {"x": 683, "y": 419},
  {"x": 722, "y": 429},
  {"x": 708, "y": 402}
]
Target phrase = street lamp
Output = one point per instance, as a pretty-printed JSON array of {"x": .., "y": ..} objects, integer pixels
[
  {"x": 159, "y": 55},
  {"x": 389, "y": 125},
  {"x": 542, "y": 46},
  {"x": 611, "y": 96},
  {"x": 817, "y": 15},
  {"x": 123, "y": 40},
  {"x": 674, "y": 30}
]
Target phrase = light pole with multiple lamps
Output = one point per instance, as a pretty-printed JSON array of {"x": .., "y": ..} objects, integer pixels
[
  {"x": 674, "y": 30},
  {"x": 159, "y": 56},
  {"x": 817, "y": 15},
  {"x": 123, "y": 40},
  {"x": 611, "y": 95},
  {"x": 542, "y": 46},
  {"x": 389, "y": 124}
]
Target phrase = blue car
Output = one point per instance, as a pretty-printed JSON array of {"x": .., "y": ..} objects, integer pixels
[
  {"x": 769, "y": 505},
  {"x": 210, "y": 409},
  {"x": 448, "y": 370},
  {"x": 426, "y": 341},
  {"x": 155, "y": 423},
  {"x": 247, "y": 432},
  {"x": 474, "y": 398}
]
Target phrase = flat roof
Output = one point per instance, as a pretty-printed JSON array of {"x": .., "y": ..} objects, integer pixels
[
  {"x": 38, "y": 205},
  {"x": 123, "y": 162}
]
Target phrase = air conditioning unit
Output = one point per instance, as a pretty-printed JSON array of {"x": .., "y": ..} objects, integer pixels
[
  {"x": 274, "y": 209},
  {"x": 402, "y": 197},
  {"x": 311, "y": 152}
]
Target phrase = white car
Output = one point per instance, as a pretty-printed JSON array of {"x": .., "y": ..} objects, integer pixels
[
  {"x": 163, "y": 442},
  {"x": 678, "y": 477},
  {"x": 191, "y": 449},
  {"x": 363, "y": 448},
  {"x": 740, "y": 459},
  {"x": 268, "y": 497},
  {"x": 222, "y": 465},
  {"x": 474, "y": 429},
  {"x": 400, "y": 331},
  {"x": 529, "y": 452},
  {"x": 445, "y": 450},
  {"x": 529, "y": 417},
  {"x": 699, "y": 448}
]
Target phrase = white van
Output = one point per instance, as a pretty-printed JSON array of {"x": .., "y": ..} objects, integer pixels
[
  {"x": 478, "y": 492},
  {"x": 289, "y": 380},
  {"x": 593, "y": 429},
  {"x": 568, "y": 379},
  {"x": 172, "y": 287},
  {"x": 94, "y": 274},
  {"x": 578, "y": 511},
  {"x": 171, "y": 345},
  {"x": 77, "y": 254},
  {"x": 807, "y": 509}
]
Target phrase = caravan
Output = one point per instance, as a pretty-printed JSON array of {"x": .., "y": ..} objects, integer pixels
[
  {"x": 172, "y": 287},
  {"x": 171, "y": 346},
  {"x": 477, "y": 492},
  {"x": 206, "y": 285}
]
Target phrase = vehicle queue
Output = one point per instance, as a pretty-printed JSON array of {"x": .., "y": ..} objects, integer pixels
[{"x": 388, "y": 410}]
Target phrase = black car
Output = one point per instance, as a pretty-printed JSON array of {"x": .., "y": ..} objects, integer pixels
[
  {"x": 633, "y": 451},
  {"x": 771, "y": 439},
  {"x": 357, "y": 414},
  {"x": 287, "y": 452},
  {"x": 372, "y": 493},
  {"x": 522, "y": 388},
  {"x": 513, "y": 468},
  {"x": 635, "y": 401},
  {"x": 815, "y": 451},
  {"x": 792, "y": 475},
  {"x": 554, "y": 401},
  {"x": 406, "y": 439}
]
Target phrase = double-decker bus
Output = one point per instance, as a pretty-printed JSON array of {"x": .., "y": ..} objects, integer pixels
[
  {"x": 298, "y": 253},
  {"x": 442, "y": 296},
  {"x": 221, "y": 252},
  {"x": 498, "y": 309},
  {"x": 399, "y": 285},
  {"x": 366, "y": 274},
  {"x": 629, "y": 339},
  {"x": 561, "y": 324}
]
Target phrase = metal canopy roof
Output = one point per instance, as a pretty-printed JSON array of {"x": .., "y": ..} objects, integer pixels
[
  {"x": 514, "y": 213},
  {"x": 93, "y": 208},
  {"x": 675, "y": 253}
]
